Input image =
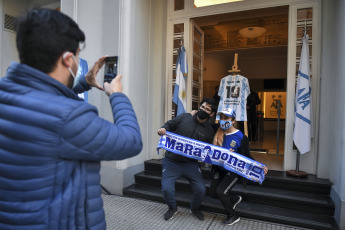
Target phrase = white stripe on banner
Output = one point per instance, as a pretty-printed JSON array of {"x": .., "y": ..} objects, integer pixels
[
  {"x": 179, "y": 97},
  {"x": 213, "y": 154}
]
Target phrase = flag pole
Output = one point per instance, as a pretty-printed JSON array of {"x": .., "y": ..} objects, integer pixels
[
  {"x": 297, "y": 161},
  {"x": 297, "y": 172}
]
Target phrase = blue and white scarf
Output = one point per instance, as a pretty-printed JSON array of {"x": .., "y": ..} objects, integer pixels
[{"x": 213, "y": 154}]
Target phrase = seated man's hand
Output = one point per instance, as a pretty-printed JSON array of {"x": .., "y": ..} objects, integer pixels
[
  {"x": 193, "y": 112},
  {"x": 161, "y": 131}
]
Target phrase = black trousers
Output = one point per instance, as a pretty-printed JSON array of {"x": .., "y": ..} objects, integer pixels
[
  {"x": 252, "y": 125},
  {"x": 221, "y": 186}
]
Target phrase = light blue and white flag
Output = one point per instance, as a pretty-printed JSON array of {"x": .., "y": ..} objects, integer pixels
[
  {"x": 179, "y": 97},
  {"x": 303, "y": 111},
  {"x": 82, "y": 71},
  {"x": 212, "y": 154}
]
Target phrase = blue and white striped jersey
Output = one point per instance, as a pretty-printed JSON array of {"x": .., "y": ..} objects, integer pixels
[{"x": 233, "y": 92}]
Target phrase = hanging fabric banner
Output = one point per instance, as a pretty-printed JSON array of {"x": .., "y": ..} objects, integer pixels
[
  {"x": 179, "y": 97},
  {"x": 213, "y": 154},
  {"x": 303, "y": 121}
]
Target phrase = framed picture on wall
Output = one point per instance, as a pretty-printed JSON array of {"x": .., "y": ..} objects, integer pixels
[{"x": 271, "y": 104}]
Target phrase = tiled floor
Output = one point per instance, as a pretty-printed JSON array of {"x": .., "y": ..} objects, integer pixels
[
  {"x": 123, "y": 213},
  {"x": 269, "y": 156}
]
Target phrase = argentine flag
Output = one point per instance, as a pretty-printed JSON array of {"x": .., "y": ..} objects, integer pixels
[
  {"x": 303, "y": 114},
  {"x": 82, "y": 71},
  {"x": 179, "y": 97}
]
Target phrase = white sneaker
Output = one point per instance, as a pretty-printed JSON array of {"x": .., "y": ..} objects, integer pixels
[{"x": 230, "y": 220}]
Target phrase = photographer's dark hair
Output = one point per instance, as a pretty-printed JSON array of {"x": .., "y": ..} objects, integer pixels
[
  {"x": 211, "y": 102},
  {"x": 43, "y": 35}
]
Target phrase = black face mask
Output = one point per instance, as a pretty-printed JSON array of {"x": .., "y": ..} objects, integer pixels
[{"x": 202, "y": 114}]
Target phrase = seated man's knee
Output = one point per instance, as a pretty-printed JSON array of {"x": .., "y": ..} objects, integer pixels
[{"x": 167, "y": 187}]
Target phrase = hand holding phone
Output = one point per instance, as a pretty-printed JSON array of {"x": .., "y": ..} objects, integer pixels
[
  {"x": 110, "y": 68},
  {"x": 90, "y": 77},
  {"x": 114, "y": 87}
]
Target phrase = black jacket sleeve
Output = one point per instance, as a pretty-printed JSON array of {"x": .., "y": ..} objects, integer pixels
[
  {"x": 245, "y": 148},
  {"x": 172, "y": 124}
]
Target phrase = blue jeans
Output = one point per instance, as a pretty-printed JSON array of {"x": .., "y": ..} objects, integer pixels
[{"x": 171, "y": 171}]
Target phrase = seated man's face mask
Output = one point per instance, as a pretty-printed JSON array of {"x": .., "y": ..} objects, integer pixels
[{"x": 202, "y": 114}]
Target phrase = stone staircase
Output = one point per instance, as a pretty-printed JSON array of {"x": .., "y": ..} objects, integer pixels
[{"x": 302, "y": 202}]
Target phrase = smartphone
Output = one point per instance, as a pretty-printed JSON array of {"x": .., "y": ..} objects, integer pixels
[{"x": 110, "y": 68}]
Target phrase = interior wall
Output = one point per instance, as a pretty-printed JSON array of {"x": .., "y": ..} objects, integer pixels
[
  {"x": 260, "y": 66},
  {"x": 259, "y": 58},
  {"x": 255, "y": 64},
  {"x": 215, "y": 66},
  {"x": 214, "y": 69}
]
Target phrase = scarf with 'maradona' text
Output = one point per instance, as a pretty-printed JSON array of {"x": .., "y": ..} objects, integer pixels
[{"x": 213, "y": 154}]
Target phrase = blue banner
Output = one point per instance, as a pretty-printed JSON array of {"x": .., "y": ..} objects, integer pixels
[{"x": 212, "y": 154}]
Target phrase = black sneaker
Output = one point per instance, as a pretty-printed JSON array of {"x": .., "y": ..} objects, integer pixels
[
  {"x": 230, "y": 220},
  {"x": 170, "y": 213},
  {"x": 198, "y": 214},
  {"x": 239, "y": 199}
]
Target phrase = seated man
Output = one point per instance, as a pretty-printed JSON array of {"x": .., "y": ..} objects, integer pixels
[{"x": 174, "y": 166}]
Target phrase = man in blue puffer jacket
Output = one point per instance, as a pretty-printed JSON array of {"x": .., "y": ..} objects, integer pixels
[{"x": 52, "y": 142}]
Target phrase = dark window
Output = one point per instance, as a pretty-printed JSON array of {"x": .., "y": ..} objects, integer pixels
[{"x": 274, "y": 84}]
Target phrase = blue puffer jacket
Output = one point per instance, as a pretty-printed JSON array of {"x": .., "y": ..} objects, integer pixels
[{"x": 51, "y": 145}]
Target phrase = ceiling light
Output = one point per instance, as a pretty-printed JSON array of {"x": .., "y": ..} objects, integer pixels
[{"x": 252, "y": 32}]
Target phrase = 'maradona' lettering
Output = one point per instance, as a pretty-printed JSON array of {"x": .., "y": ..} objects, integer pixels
[
  {"x": 186, "y": 149},
  {"x": 170, "y": 144}
]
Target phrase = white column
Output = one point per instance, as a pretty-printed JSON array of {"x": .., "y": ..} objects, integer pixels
[{"x": 109, "y": 27}]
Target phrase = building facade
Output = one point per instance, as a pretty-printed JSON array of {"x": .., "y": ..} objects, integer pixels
[{"x": 144, "y": 35}]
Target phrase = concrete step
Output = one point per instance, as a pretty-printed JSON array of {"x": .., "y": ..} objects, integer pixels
[
  {"x": 273, "y": 179},
  {"x": 295, "y": 200},
  {"x": 244, "y": 209}
]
